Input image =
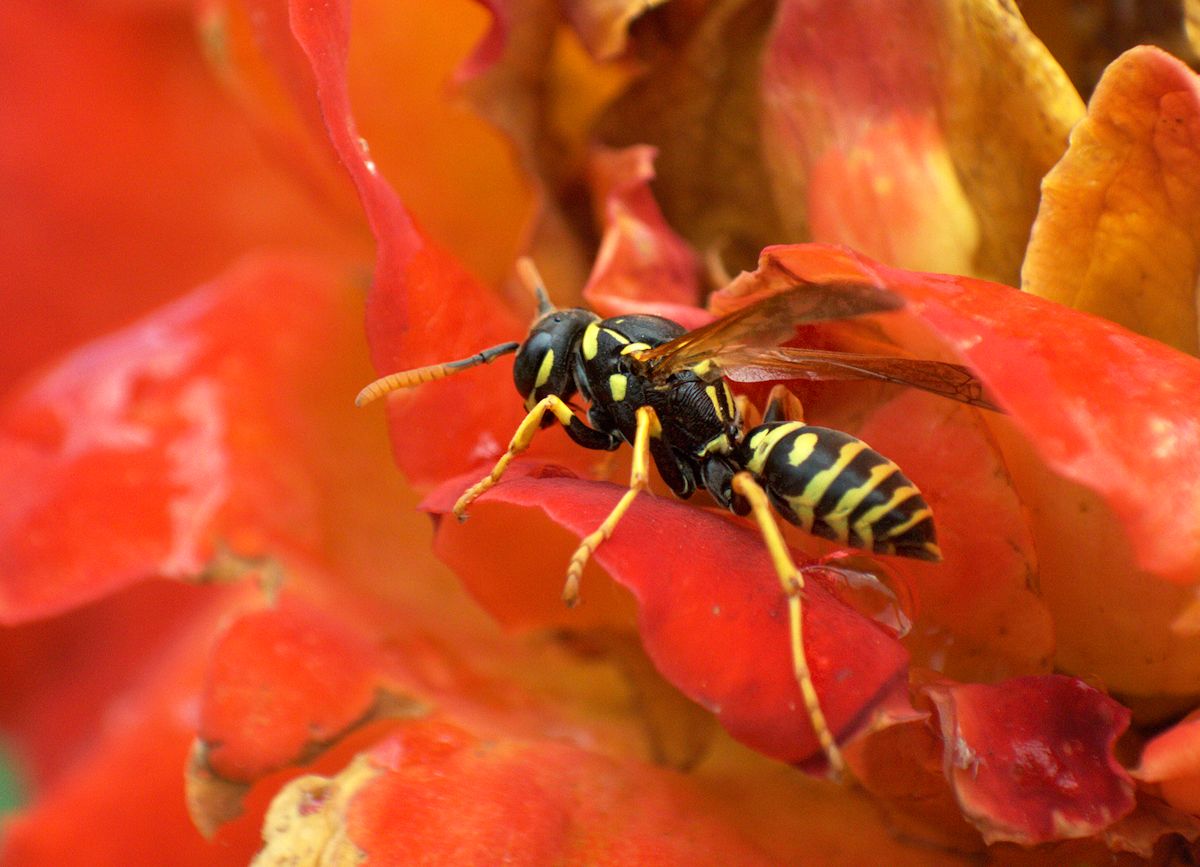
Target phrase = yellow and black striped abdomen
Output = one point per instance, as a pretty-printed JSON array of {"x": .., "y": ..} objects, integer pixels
[{"x": 837, "y": 487}]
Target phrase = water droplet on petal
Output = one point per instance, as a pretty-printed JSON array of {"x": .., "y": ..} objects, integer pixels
[{"x": 872, "y": 589}]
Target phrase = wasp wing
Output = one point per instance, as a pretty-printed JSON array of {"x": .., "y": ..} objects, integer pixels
[
  {"x": 768, "y": 322},
  {"x": 953, "y": 381}
]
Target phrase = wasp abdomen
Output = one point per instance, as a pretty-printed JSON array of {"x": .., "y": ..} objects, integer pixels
[{"x": 836, "y": 486}]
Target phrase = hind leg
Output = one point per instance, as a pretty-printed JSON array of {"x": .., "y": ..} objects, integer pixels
[
  {"x": 793, "y": 587},
  {"x": 782, "y": 405}
]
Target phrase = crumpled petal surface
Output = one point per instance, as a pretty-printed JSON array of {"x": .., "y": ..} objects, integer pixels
[{"x": 158, "y": 435}]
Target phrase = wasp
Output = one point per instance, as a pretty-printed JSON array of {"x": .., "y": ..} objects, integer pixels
[{"x": 664, "y": 390}]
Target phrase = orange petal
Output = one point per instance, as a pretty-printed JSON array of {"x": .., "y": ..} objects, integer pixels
[
  {"x": 1172, "y": 759},
  {"x": 1119, "y": 224},
  {"x": 929, "y": 154}
]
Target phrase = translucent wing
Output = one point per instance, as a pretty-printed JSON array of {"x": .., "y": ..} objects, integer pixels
[
  {"x": 768, "y": 322},
  {"x": 751, "y": 364}
]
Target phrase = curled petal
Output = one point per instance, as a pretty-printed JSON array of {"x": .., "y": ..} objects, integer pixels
[
  {"x": 1119, "y": 222},
  {"x": 424, "y": 307},
  {"x": 642, "y": 265},
  {"x": 281, "y": 684},
  {"x": 1030, "y": 760}
]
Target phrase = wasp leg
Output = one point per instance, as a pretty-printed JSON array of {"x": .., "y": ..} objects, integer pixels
[
  {"x": 647, "y": 426},
  {"x": 782, "y": 405},
  {"x": 746, "y": 411},
  {"x": 793, "y": 587},
  {"x": 579, "y": 432}
]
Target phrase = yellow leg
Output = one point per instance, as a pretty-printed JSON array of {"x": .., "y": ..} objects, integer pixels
[
  {"x": 520, "y": 441},
  {"x": 793, "y": 587},
  {"x": 747, "y": 412},
  {"x": 788, "y": 406},
  {"x": 647, "y": 426}
]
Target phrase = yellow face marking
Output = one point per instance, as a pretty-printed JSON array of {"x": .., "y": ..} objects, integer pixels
[
  {"x": 633, "y": 347},
  {"x": 543, "y": 373},
  {"x": 839, "y": 518},
  {"x": 591, "y": 341},
  {"x": 819, "y": 483},
  {"x": 864, "y": 526},
  {"x": 763, "y": 441},
  {"x": 617, "y": 384}
]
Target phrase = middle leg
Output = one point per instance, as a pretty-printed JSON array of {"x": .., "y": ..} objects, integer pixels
[{"x": 639, "y": 479}]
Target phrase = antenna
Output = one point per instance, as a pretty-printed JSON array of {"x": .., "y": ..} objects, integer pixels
[
  {"x": 420, "y": 375},
  {"x": 529, "y": 275}
]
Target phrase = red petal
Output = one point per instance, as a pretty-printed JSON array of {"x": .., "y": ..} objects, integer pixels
[
  {"x": 1031, "y": 759},
  {"x": 711, "y": 615},
  {"x": 282, "y": 683},
  {"x": 172, "y": 436},
  {"x": 424, "y": 307},
  {"x": 1106, "y": 467}
]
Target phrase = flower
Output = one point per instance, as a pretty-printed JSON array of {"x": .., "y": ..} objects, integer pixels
[{"x": 209, "y": 565}]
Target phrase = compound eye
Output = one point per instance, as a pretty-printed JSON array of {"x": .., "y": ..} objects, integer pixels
[{"x": 533, "y": 364}]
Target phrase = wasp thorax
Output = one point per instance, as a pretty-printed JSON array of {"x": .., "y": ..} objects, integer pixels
[{"x": 546, "y": 360}]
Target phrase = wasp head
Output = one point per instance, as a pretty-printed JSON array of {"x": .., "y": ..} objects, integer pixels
[{"x": 545, "y": 362}]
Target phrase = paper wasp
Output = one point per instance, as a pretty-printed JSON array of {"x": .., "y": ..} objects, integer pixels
[{"x": 650, "y": 383}]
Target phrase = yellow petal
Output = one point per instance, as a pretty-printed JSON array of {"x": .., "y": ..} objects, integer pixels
[{"x": 1119, "y": 225}]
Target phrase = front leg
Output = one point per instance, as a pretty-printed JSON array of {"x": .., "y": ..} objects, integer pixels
[{"x": 581, "y": 433}]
